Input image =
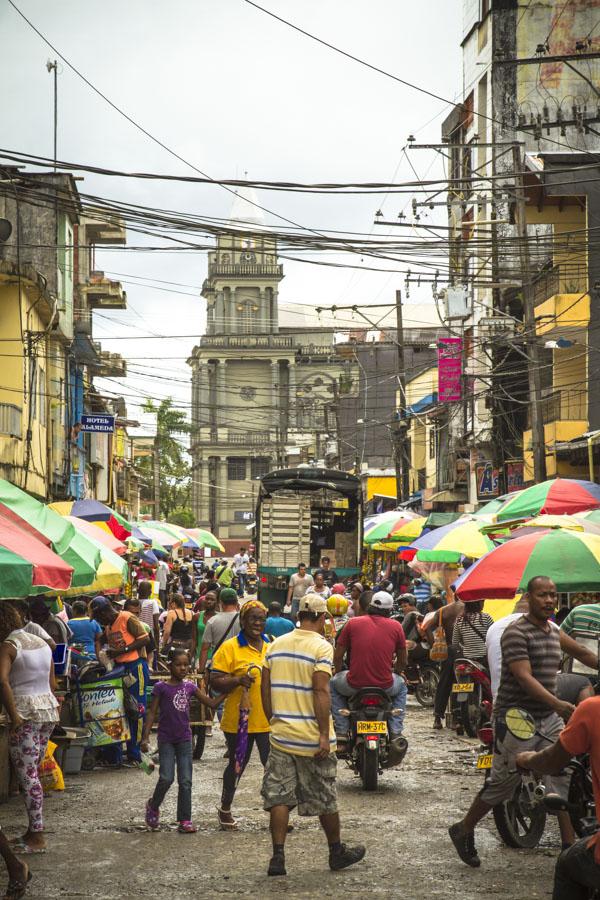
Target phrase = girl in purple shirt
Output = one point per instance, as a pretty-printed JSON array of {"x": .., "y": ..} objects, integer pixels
[{"x": 172, "y": 700}]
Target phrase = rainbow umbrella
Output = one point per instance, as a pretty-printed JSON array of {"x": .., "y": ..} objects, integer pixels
[
  {"x": 135, "y": 545},
  {"x": 53, "y": 530},
  {"x": 571, "y": 523},
  {"x": 177, "y": 531},
  {"x": 94, "y": 511},
  {"x": 492, "y": 507},
  {"x": 398, "y": 528},
  {"x": 106, "y": 538},
  {"x": 570, "y": 558},
  {"x": 163, "y": 538},
  {"x": 554, "y": 497},
  {"x": 206, "y": 539},
  {"x": 39, "y": 567},
  {"x": 450, "y": 543}
]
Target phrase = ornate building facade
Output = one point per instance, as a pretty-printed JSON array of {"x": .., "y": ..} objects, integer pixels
[{"x": 263, "y": 394}]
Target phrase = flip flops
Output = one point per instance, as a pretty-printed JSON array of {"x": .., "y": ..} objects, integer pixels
[
  {"x": 19, "y": 846},
  {"x": 187, "y": 827},
  {"x": 224, "y": 825}
]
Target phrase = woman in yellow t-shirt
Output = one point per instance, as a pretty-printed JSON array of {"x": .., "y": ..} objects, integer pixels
[{"x": 236, "y": 666}]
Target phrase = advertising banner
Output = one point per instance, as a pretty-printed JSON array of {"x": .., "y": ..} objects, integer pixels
[
  {"x": 449, "y": 369},
  {"x": 486, "y": 475},
  {"x": 103, "y": 711}
]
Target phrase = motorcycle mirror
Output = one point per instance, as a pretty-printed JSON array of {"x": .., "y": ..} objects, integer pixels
[{"x": 520, "y": 723}]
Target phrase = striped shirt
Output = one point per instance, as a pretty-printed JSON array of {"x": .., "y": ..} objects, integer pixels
[
  {"x": 583, "y": 618},
  {"x": 470, "y": 632},
  {"x": 523, "y": 640},
  {"x": 292, "y": 659}
]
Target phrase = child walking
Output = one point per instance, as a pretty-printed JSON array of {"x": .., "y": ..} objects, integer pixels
[{"x": 172, "y": 699}]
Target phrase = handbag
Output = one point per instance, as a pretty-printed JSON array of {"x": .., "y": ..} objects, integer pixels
[{"x": 439, "y": 648}]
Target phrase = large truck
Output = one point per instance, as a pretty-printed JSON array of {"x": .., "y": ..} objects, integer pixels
[{"x": 302, "y": 515}]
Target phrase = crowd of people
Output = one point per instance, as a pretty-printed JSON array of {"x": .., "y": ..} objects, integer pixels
[{"x": 278, "y": 677}]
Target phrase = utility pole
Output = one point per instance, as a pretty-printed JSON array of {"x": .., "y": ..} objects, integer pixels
[
  {"x": 401, "y": 461},
  {"x": 538, "y": 439},
  {"x": 338, "y": 424},
  {"x": 53, "y": 67}
]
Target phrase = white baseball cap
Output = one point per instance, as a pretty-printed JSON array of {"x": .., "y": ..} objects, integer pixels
[{"x": 382, "y": 600}]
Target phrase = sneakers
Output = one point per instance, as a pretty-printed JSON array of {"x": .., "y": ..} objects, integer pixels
[
  {"x": 187, "y": 827},
  {"x": 152, "y": 817},
  {"x": 277, "y": 865},
  {"x": 464, "y": 842},
  {"x": 345, "y": 856}
]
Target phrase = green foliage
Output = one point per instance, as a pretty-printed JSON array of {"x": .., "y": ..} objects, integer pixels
[
  {"x": 182, "y": 515},
  {"x": 175, "y": 469}
]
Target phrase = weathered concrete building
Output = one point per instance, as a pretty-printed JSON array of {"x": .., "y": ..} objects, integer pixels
[
  {"x": 261, "y": 392},
  {"x": 531, "y": 75}
]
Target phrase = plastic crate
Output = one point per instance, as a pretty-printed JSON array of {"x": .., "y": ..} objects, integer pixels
[{"x": 61, "y": 656}]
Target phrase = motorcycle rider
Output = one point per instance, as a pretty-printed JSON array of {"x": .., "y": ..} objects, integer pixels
[
  {"x": 373, "y": 640},
  {"x": 578, "y": 867},
  {"x": 531, "y": 657}
]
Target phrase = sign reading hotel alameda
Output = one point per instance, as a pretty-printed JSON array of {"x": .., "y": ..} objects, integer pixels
[
  {"x": 98, "y": 422},
  {"x": 449, "y": 369}
]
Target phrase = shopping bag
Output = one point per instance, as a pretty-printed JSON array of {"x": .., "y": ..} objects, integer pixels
[
  {"x": 50, "y": 772},
  {"x": 439, "y": 648}
]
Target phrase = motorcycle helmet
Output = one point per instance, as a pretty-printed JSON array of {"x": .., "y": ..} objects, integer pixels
[
  {"x": 337, "y": 605},
  {"x": 183, "y": 570}
]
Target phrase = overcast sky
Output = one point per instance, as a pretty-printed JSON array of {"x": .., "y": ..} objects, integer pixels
[{"x": 231, "y": 90}]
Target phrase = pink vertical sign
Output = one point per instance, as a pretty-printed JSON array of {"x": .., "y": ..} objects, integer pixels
[{"x": 449, "y": 369}]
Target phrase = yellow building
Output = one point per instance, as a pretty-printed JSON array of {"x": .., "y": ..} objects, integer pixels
[{"x": 562, "y": 312}]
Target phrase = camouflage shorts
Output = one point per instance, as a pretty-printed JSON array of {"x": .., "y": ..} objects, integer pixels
[{"x": 304, "y": 781}]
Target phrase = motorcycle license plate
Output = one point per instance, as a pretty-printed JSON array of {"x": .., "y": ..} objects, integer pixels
[
  {"x": 484, "y": 760},
  {"x": 463, "y": 687},
  {"x": 371, "y": 728}
]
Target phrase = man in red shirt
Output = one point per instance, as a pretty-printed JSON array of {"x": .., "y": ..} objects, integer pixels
[
  {"x": 577, "y": 868},
  {"x": 372, "y": 641}
]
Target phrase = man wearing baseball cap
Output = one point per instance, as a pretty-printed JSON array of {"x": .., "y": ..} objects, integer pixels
[
  {"x": 301, "y": 767},
  {"x": 373, "y": 641},
  {"x": 126, "y": 638}
]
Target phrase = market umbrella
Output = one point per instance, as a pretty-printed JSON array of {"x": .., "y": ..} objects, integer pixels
[
  {"x": 554, "y": 497},
  {"x": 136, "y": 545},
  {"x": 492, "y": 507},
  {"x": 111, "y": 575},
  {"x": 543, "y": 522},
  {"x": 106, "y": 538},
  {"x": 16, "y": 575},
  {"x": 206, "y": 539},
  {"x": 450, "y": 543},
  {"x": 165, "y": 539},
  {"x": 400, "y": 529},
  {"x": 51, "y": 529},
  {"x": 241, "y": 744},
  {"x": 177, "y": 531},
  {"x": 47, "y": 569},
  {"x": 148, "y": 541},
  {"x": 94, "y": 511},
  {"x": 570, "y": 558}
]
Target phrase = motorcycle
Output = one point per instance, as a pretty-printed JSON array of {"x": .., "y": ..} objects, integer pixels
[
  {"x": 370, "y": 750},
  {"x": 471, "y": 702},
  {"x": 251, "y": 585},
  {"x": 521, "y": 820},
  {"x": 422, "y": 678}
]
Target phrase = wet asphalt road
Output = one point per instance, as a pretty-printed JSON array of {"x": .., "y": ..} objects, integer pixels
[{"x": 99, "y": 847}]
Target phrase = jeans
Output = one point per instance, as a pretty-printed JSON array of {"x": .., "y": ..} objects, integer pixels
[
  {"x": 576, "y": 873},
  {"x": 444, "y": 688},
  {"x": 262, "y": 741},
  {"x": 242, "y": 583},
  {"x": 169, "y": 755},
  {"x": 339, "y": 688}
]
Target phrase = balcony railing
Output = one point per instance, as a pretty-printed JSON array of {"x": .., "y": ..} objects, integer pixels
[
  {"x": 247, "y": 341},
  {"x": 567, "y": 406},
  {"x": 569, "y": 278},
  {"x": 103, "y": 293},
  {"x": 10, "y": 420},
  {"x": 228, "y": 270}
]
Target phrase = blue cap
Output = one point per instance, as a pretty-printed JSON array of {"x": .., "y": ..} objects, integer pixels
[{"x": 98, "y": 604}]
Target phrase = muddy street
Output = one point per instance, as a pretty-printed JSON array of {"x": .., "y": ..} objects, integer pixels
[{"x": 99, "y": 847}]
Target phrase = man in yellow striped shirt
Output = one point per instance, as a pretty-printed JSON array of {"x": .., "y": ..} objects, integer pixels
[{"x": 301, "y": 769}]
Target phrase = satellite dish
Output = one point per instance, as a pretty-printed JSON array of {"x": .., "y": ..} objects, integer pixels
[{"x": 5, "y": 230}]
